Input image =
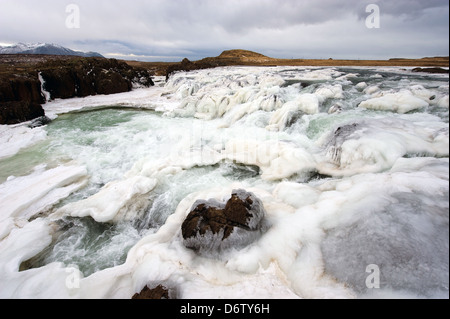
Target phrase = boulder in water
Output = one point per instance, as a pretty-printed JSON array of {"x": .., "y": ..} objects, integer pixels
[{"x": 213, "y": 226}]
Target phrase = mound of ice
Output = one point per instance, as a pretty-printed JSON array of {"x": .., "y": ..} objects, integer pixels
[
  {"x": 361, "y": 86},
  {"x": 124, "y": 196},
  {"x": 371, "y": 90},
  {"x": 276, "y": 159},
  {"x": 401, "y": 102},
  {"x": 326, "y": 92},
  {"x": 375, "y": 145},
  {"x": 443, "y": 102},
  {"x": 304, "y": 103}
]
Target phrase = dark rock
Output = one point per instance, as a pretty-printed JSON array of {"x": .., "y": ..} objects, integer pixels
[
  {"x": 213, "y": 226},
  {"x": 15, "y": 112},
  {"x": 24, "y": 88},
  {"x": 20, "y": 99},
  {"x": 157, "y": 293},
  {"x": 60, "y": 83},
  {"x": 92, "y": 76},
  {"x": 111, "y": 82},
  {"x": 430, "y": 70},
  {"x": 40, "y": 121}
]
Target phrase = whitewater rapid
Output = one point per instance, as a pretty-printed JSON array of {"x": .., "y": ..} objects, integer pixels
[{"x": 351, "y": 165}]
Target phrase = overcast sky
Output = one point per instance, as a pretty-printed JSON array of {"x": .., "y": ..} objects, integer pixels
[{"x": 167, "y": 30}]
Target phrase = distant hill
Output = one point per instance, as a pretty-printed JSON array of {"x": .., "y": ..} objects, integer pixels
[
  {"x": 243, "y": 56},
  {"x": 44, "y": 48}
]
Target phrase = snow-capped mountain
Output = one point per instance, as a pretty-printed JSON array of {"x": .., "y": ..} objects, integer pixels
[{"x": 44, "y": 48}]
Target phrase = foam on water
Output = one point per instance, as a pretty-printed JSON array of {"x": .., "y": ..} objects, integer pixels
[{"x": 351, "y": 165}]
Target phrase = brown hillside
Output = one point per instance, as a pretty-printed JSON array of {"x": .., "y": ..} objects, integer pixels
[
  {"x": 240, "y": 54},
  {"x": 244, "y": 55}
]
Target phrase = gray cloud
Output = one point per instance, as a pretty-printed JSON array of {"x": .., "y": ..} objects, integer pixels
[
  {"x": 196, "y": 28},
  {"x": 409, "y": 8}
]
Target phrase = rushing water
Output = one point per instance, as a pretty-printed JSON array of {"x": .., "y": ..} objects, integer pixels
[{"x": 351, "y": 165}]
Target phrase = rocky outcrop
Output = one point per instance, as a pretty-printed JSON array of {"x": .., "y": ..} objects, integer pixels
[
  {"x": 21, "y": 96},
  {"x": 212, "y": 226},
  {"x": 20, "y": 99},
  {"x": 15, "y": 112},
  {"x": 157, "y": 293},
  {"x": 187, "y": 65},
  {"x": 91, "y": 76},
  {"x": 431, "y": 70}
]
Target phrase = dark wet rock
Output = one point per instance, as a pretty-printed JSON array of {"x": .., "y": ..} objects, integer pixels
[
  {"x": 431, "y": 70},
  {"x": 15, "y": 112},
  {"x": 24, "y": 88},
  {"x": 157, "y": 293},
  {"x": 91, "y": 76},
  {"x": 20, "y": 98},
  {"x": 40, "y": 121},
  {"x": 214, "y": 226}
]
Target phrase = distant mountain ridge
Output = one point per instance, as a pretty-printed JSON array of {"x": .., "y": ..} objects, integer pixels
[{"x": 44, "y": 48}]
